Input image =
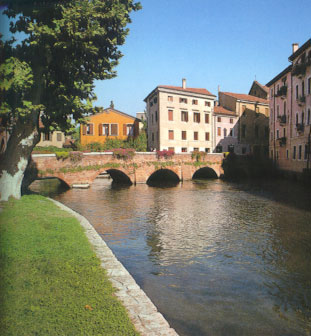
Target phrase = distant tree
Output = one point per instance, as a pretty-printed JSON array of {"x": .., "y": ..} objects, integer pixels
[{"x": 68, "y": 44}]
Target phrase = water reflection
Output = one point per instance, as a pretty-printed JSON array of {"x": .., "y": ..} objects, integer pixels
[{"x": 216, "y": 258}]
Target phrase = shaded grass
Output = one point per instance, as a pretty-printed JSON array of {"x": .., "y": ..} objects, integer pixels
[{"x": 51, "y": 282}]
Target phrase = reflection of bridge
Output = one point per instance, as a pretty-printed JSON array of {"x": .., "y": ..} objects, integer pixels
[{"x": 140, "y": 169}]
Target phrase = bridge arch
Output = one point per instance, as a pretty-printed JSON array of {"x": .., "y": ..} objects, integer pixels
[
  {"x": 48, "y": 184},
  {"x": 205, "y": 173},
  {"x": 163, "y": 177},
  {"x": 118, "y": 176}
]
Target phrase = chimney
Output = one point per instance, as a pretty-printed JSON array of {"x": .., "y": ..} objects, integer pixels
[
  {"x": 184, "y": 83},
  {"x": 295, "y": 47}
]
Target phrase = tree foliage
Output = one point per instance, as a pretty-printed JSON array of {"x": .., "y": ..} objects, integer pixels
[{"x": 68, "y": 45}]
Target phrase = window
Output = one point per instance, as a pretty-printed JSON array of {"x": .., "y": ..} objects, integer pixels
[
  {"x": 184, "y": 149},
  {"x": 309, "y": 85},
  {"x": 46, "y": 136},
  {"x": 308, "y": 117},
  {"x": 114, "y": 129},
  {"x": 231, "y": 121},
  {"x": 303, "y": 88},
  {"x": 156, "y": 116},
  {"x": 294, "y": 153},
  {"x": 184, "y": 116},
  {"x": 103, "y": 129},
  {"x": 129, "y": 129},
  {"x": 277, "y": 110},
  {"x": 183, "y": 100},
  {"x": 277, "y": 134},
  {"x": 218, "y": 119},
  {"x": 58, "y": 136},
  {"x": 207, "y": 103},
  {"x": 225, "y": 132},
  {"x": 284, "y": 108},
  {"x": 219, "y": 131},
  {"x": 296, "y": 118},
  {"x": 196, "y": 117},
  {"x": 206, "y": 118},
  {"x": 231, "y": 132},
  {"x": 271, "y": 92},
  {"x": 171, "y": 135},
  {"x": 206, "y": 136},
  {"x": 297, "y": 92},
  {"x": 170, "y": 115},
  {"x": 256, "y": 131},
  {"x": 194, "y": 102},
  {"x": 287, "y": 153},
  {"x": 184, "y": 135},
  {"x": 195, "y": 135},
  {"x": 207, "y": 150},
  {"x": 195, "y": 149},
  {"x": 306, "y": 152},
  {"x": 302, "y": 117},
  {"x": 155, "y": 100},
  {"x": 218, "y": 149},
  {"x": 243, "y": 131},
  {"x": 170, "y": 98},
  {"x": 299, "y": 152},
  {"x": 151, "y": 118},
  {"x": 89, "y": 129}
]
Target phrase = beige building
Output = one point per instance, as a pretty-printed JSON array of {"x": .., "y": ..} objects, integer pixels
[
  {"x": 252, "y": 126},
  {"x": 180, "y": 118},
  {"x": 56, "y": 138},
  {"x": 290, "y": 112}
]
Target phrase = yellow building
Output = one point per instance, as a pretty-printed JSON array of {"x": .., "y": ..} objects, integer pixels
[{"x": 109, "y": 124}]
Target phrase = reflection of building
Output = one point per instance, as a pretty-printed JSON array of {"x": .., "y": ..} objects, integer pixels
[
  {"x": 4, "y": 136},
  {"x": 180, "y": 118},
  {"x": 225, "y": 132},
  {"x": 251, "y": 129},
  {"x": 290, "y": 117},
  {"x": 110, "y": 123}
]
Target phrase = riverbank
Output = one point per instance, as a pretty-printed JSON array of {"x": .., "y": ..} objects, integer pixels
[{"x": 51, "y": 281}]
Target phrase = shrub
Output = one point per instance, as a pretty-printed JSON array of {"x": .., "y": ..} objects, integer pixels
[
  {"x": 165, "y": 154},
  {"x": 198, "y": 155},
  {"x": 123, "y": 153},
  {"x": 75, "y": 156},
  {"x": 95, "y": 147},
  {"x": 49, "y": 150},
  {"x": 62, "y": 155}
]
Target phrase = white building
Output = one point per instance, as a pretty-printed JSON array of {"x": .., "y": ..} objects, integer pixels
[{"x": 180, "y": 118}]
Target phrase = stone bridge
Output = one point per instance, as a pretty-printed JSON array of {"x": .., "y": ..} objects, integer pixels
[{"x": 140, "y": 169}]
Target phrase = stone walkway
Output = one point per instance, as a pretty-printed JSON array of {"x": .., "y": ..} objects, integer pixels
[{"x": 143, "y": 313}]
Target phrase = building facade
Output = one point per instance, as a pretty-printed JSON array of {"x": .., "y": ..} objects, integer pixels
[
  {"x": 55, "y": 138},
  {"x": 290, "y": 112},
  {"x": 180, "y": 118},
  {"x": 251, "y": 128},
  {"x": 225, "y": 132},
  {"x": 108, "y": 124}
]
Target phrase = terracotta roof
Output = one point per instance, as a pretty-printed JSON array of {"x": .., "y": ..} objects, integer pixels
[
  {"x": 194, "y": 90},
  {"x": 222, "y": 110},
  {"x": 242, "y": 96}
]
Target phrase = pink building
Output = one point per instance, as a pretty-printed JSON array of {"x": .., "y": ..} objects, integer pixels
[{"x": 290, "y": 112}]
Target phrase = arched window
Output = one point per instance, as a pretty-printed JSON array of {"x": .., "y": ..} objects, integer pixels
[{"x": 284, "y": 109}]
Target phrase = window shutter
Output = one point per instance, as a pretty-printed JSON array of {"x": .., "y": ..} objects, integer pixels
[
  {"x": 100, "y": 129},
  {"x": 187, "y": 116},
  {"x": 124, "y": 129},
  {"x": 84, "y": 130},
  {"x": 91, "y": 129}
]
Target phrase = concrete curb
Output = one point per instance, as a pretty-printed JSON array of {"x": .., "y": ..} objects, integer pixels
[{"x": 143, "y": 313}]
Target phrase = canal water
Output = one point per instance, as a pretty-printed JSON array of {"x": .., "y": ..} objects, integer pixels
[{"x": 216, "y": 258}]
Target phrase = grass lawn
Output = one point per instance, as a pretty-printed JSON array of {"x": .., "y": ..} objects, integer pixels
[{"x": 51, "y": 282}]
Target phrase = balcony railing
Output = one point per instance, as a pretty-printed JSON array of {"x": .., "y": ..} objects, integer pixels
[
  {"x": 300, "y": 127},
  {"x": 282, "y": 92},
  {"x": 282, "y": 119},
  {"x": 301, "y": 100},
  {"x": 299, "y": 69},
  {"x": 282, "y": 141}
]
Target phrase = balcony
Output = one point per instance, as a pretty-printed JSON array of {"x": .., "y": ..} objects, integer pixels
[
  {"x": 300, "y": 127},
  {"x": 282, "y": 119},
  {"x": 282, "y": 92},
  {"x": 299, "y": 69},
  {"x": 301, "y": 100},
  {"x": 282, "y": 141}
]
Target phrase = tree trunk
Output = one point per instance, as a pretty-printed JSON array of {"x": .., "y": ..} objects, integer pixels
[{"x": 14, "y": 160}]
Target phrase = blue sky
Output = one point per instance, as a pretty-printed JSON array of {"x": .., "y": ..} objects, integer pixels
[{"x": 210, "y": 43}]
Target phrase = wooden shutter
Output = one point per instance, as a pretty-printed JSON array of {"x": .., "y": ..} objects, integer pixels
[
  {"x": 114, "y": 129},
  {"x": 206, "y": 118},
  {"x": 100, "y": 129},
  {"x": 83, "y": 129},
  {"x": 124, "y": 129},
  {"x": 170, "y": 115},
  {"x": 187, "y": 116},
  {"x": 91, "y": 129}
]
